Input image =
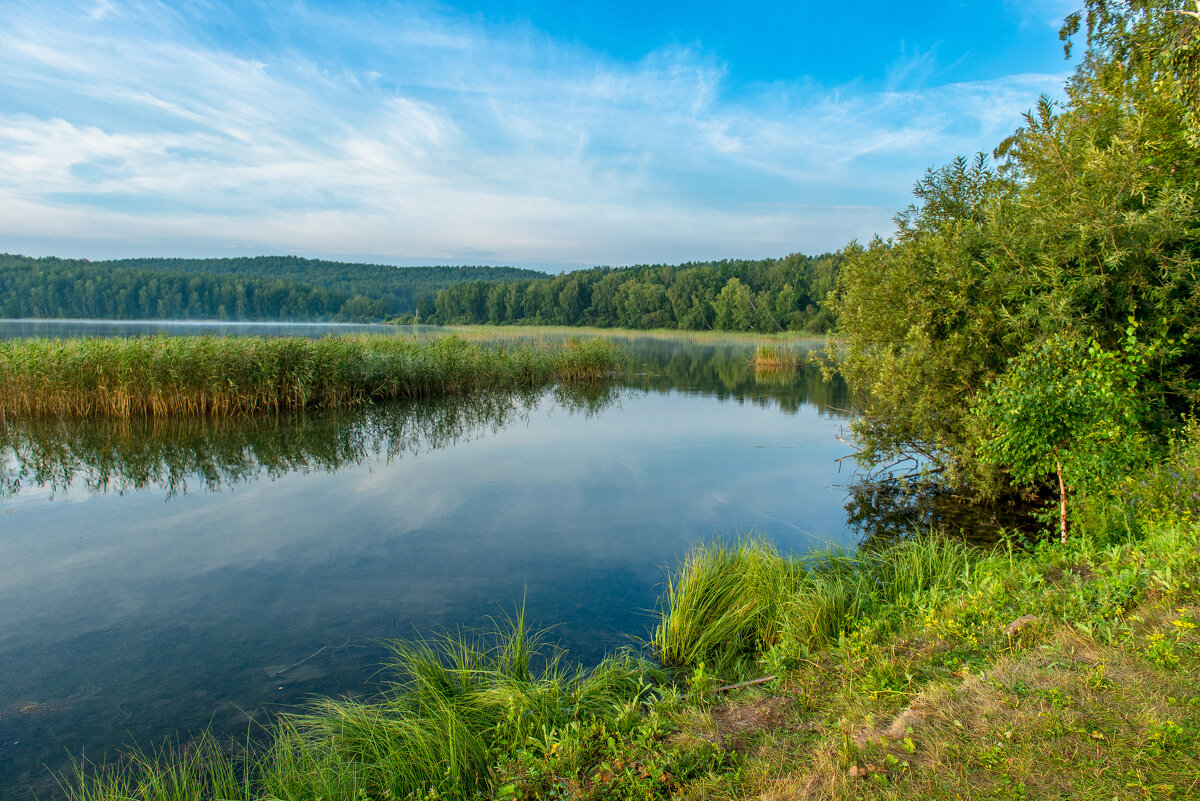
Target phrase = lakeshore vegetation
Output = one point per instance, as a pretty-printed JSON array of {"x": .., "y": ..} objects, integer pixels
[
  {"x": 764, "y": 296},
  {"x": 1034, "y": 325},
  {"x": 918, "y": 668},
  {"x": 157, "y": 376}
]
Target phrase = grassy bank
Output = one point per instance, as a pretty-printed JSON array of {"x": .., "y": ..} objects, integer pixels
[
  {"x": 922, "y": 669},
  {"x": 207, "y": 375}
]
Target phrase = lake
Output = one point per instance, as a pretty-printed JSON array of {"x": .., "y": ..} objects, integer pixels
[{"x": 160, "y": 577}]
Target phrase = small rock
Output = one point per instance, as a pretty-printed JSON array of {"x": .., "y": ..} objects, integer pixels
[{"x": 1012, "y": 628}]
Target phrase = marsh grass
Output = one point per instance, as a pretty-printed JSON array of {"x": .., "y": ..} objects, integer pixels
[
  {"x": 455, "y": 708},
  {"x": 722, "y": 606},
  {"x": 729, "y": 603},
  {"x": 775, "y": 358},
  {"x": 174, "y": 376}
]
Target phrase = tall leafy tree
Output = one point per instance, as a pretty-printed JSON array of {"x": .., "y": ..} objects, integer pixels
[{"x": 1090, "y": 218}]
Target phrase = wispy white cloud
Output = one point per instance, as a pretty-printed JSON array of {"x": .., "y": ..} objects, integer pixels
[{"x": 418, "y": 136}]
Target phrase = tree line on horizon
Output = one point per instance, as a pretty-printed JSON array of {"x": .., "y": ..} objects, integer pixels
[
  {"x": 765, "y": 295},
  {"x": 259, "y": 288}
]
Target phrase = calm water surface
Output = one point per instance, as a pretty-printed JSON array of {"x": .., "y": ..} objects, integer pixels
[{"x": 162, "y": 577}]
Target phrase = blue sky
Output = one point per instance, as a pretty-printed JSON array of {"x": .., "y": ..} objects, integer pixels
[{"x": 544, "y": 134}]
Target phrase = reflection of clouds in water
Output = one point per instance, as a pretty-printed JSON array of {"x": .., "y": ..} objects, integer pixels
[{"x": 573, "y": 510}]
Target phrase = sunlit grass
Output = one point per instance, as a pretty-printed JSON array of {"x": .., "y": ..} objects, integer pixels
[
  {"x": 161, "y": 376},
  {"x": 456, "y": 707},
  {"x": 727, "y": 604},
  {"x": 775, "y": 357}
]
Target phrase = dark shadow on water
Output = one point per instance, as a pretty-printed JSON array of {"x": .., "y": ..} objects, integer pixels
[{"x": 883, "y": 511}]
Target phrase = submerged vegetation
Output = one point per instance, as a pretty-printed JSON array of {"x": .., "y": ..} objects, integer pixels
[{"x": 158, "y": 376}]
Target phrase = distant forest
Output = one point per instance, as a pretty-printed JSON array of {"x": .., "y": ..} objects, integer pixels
[
  {"x": 765, "y": 295},
  {"x": 261, "y": 288}
]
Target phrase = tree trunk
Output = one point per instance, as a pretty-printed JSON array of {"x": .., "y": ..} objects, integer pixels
[{"x": 1062, "y": 497}]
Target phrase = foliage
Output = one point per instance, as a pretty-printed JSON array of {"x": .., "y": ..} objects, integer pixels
[
  {"x": 919, "y": 323},
  {"x": 766, "y": 296},
  {"x": 1091, "y": 218},
  {"x": 262, "y": 288},
  {"x": 1071, "y": 409}
]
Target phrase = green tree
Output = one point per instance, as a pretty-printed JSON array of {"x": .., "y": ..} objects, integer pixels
[
  {"x": 733, "y": 307},
  {"x": 1090, "y": 218},
  {"x": 1071, "y": 410}
]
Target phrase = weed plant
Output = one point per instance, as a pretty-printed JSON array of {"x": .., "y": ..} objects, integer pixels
[{"x": 159, "y": 376}]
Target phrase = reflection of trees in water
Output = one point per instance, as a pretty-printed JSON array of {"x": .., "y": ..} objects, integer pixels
[
  {"x": 885, "y": 510},
  {"x": 725, "y": 370},
  {"x": 212, "y": 453}
]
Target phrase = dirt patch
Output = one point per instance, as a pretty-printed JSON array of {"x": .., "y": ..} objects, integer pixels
[
  {"x": 731, "y": 726},
  {"x": 1058, "y": 574}
]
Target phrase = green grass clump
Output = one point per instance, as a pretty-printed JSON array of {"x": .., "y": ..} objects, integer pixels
[
  {"x": 722, "y": 606},
  {"x": 163, "y": 376},
  {"x": 728, "y": 604},
  {"x": 458, "y": 708}
]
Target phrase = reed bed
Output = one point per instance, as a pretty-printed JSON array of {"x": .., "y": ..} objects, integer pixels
[
  {"x": 206, "y": 375},
  {"x": 459, "y": 706},
  {"x": 775, "y": 357}
]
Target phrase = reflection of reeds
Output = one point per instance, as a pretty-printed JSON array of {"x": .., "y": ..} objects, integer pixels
[
  {"x": 159, "y": 376},
  {"x": 107, "y": 454},
  {"x": 461, "y": 706}
]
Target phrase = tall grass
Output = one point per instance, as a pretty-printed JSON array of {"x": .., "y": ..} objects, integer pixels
[
  {"x": 160, "y": 376},
  {"x": 457, "y": 707},
  {"x": 728, "y": 604},
  {"x": 722, "y": 606}
]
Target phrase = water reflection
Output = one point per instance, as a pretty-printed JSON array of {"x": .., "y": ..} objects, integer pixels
[
  {"x": 182, "y": 454},
  {"x": 882, "y": 511},
  {"x": 126, "y": 619},
  {"x": 724, "y": 369}
]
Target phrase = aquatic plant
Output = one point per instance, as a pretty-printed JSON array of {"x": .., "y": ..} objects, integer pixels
[
  {"x": 161, "y": 376},
  {"x": 775, "y": 357},
  {"x": 721, "y": 607}
]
